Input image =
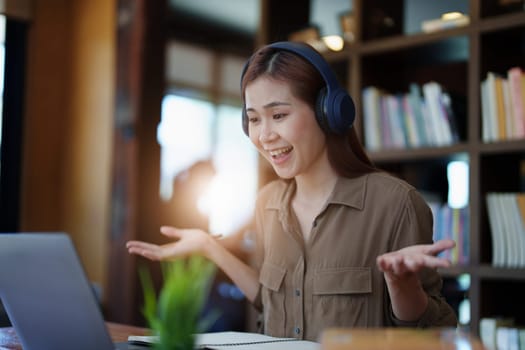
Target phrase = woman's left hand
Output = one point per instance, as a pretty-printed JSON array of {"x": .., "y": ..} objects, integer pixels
[
  {"x": 407, "y": 261},
  {"x": 400, "y": 268}
]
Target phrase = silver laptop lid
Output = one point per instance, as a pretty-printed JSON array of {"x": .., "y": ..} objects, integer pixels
[{"x": 46, "y": 294}]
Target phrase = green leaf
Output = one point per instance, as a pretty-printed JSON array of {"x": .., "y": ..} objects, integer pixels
[{"x": 176, "y": 315}]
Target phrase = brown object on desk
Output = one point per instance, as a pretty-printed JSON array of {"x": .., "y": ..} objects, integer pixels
[
  {"x": 118, "y": 332},
  {"x": 398, "y": 339}
]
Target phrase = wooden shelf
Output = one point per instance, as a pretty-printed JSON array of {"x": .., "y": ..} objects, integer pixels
[
  {"x": 417, "y": 153},
  {"x": 502, "y": 22},
  {"x": 507, "y": 146},
  {"x": 391, "y": 63},
  {"x": 458, "y": 59},
  {"x": 397, "y": 43},
  {"x": 501, "y": 273},
  {"x": 485, "y": 272}
]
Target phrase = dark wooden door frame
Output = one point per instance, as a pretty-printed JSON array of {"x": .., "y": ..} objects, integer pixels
[
  {"x": 13, "y": 122},
  {"x": 136, "y": 154}
]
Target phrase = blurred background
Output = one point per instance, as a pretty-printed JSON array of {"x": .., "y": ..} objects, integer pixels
[{"x": 120, "y": 116}]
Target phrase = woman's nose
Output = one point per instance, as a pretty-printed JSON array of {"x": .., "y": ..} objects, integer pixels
[{"x": 267, "y": 133}]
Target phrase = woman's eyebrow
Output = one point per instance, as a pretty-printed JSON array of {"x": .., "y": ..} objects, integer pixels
[{"x": 270, "y": 105}]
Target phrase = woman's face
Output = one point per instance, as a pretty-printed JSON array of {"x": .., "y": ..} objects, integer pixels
[{"x": 283, "y": 128}]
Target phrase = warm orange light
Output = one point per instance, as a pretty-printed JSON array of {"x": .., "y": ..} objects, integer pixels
[{"x": 334, "y": 42}]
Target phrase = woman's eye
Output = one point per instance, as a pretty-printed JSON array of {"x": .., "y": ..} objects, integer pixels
[
  {"x": 252, "y": 119},
  {"x": 279, "y": 116}
]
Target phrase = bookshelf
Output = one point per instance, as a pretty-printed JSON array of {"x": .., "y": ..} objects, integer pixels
[{"x": 459, "y": 60}]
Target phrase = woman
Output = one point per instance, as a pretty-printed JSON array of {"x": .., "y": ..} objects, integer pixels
[{"x": 338, "y": 242}]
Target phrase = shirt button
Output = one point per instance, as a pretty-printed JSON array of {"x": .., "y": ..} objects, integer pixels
[
  {"x": 297, "y": 292},
  {"x": 297, "y": 330}
]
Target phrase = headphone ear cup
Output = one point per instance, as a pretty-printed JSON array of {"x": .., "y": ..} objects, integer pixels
[
  {"x": 334, "y": 111},
  {"x": 340, "y": 111},
  {"x": 320, "y": 110}
]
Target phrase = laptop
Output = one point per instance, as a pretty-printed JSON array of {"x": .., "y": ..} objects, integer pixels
[{"x": 47, "y": 295}]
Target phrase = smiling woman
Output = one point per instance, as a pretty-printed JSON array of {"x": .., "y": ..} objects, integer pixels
[{"x": 337, "y": 242}]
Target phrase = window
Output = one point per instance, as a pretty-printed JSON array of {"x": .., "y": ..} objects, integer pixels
[
  {"x": 457, "y": 173},
  {"x": 185, "y": 137},
  {"x": 192, "y": 131}
]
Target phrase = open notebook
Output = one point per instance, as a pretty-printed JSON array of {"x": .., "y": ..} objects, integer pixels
[{"x": 238, "y": 341}]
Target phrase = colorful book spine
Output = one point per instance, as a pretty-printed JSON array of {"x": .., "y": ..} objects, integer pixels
[{"x": 503, "y": 105}]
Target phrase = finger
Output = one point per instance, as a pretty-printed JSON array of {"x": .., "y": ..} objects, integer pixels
[
  {"x": 435, "y": 262},
  {"x": 388, "y": 262},
  {"x": 149, "y": 254},
  {"x": 170, "y": 231},
  {"x": 416, "y": 263},
  {"x": 440, "y": 246},
  {"x": 399, "y": 266},
  {"x": 141, "y": 245},
  {"x": 382, "y": 264}
]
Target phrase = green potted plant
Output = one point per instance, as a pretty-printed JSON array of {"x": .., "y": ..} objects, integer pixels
[{"x": 175, "y": 316}]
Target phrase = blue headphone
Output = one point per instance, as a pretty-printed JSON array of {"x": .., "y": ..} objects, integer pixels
[{"x": 334, "y": 109}]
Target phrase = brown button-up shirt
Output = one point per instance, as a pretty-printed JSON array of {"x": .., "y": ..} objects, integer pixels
[{"x": 331, "y": 280}]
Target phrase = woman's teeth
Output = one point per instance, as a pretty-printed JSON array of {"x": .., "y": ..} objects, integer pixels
[{"x": 280, "y": 151}]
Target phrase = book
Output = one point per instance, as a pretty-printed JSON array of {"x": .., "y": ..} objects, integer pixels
[
  {"x": 505, "y": 234},
  {"x": 433, "y": 93},
  {"x": 236, "y": 341},
  {"x": 371, "y": 118},
  {"x": 520, "y": 222},
  {"x": 517, "y": 99},
  {"x": 517, "y": 228},
  {"x": 508, "y": 111},
  {"x": 488, "y": 327},
  {"x": 486, "y": 120},
  {"x": 496, "y": 230},
  {"x": 502, "y": 105},
  {"x": 506, "y": 213},
  {"x": 414, "y": 138},
  {"x": 417, "y": 106},
  {"x": 450, "y": 117},
  {"x": 507, "y": 338},
  {"x": 492, "y": 107},
  {"x": 500, "y": 108},
  {"x": 397, "y": 130}
]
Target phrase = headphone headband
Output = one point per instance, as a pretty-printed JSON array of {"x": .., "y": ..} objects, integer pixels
[
  {"x": 334, "y": 110},
  {"x": 311, "y": 56}
]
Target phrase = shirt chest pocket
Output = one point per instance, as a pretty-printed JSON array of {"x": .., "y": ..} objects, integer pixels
[
  {"x": 271, "y": 278},
  {"x": 341, "y": 296}
]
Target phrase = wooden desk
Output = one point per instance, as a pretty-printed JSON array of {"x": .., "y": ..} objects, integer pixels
[
  {"x": 332, "y": 339},
  {"x": 399, "y": 339},
  {"x": 118, "y": 332}
]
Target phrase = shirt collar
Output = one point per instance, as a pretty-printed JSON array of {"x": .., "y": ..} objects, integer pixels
[
  {"x": 347, "y": 191},
  {"x": 350, "y": 191}
]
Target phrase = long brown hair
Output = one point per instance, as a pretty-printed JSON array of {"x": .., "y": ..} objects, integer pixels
[{"x": 345, "y": 153}]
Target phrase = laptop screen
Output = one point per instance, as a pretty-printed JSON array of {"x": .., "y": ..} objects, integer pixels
[{"x": 47, "y": 295}]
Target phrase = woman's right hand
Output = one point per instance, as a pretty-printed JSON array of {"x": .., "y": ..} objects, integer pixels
[
  {"x": 189, "y": 241},
  {"x": 195, "y": 241}
]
